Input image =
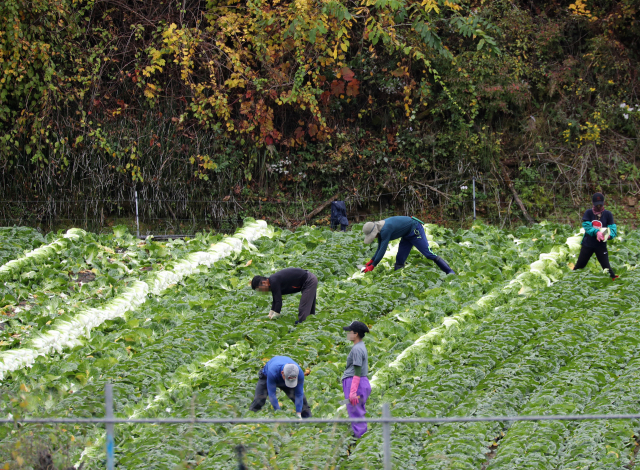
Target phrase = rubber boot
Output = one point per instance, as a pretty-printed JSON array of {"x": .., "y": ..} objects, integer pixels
[
  {"x": 397, "y": 266},
  {"x": 442, "y": 264}
]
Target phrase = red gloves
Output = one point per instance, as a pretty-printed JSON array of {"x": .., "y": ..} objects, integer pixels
[
  {"x": 600, "y": 236},
  {"x": 368, "y": 268},
  {"x": 353, "y": 392},
  {"x": 370, "y": 262}
]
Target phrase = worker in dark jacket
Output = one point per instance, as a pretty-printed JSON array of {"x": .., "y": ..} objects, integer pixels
[
  {"x": 339, "y": 215},
  {"x": 411, "y": 232},
  {"x": 281, "y": 372},
  {"x": 594, "y": 222},
  {"x": 289, "y": 281}
]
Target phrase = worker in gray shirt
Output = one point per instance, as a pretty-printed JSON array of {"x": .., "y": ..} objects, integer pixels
[{"x": 355, "y": 384}]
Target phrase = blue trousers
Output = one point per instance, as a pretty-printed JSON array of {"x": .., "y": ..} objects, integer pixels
[{"x": 418, "y": 239}]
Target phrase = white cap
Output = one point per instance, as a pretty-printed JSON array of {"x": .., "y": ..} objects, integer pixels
[{"x": 291, "y": 372}]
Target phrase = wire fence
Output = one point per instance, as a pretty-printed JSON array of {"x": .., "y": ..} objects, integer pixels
[
  {"x": 456, "y": 203},
  {"x": 109, "y": 421}
]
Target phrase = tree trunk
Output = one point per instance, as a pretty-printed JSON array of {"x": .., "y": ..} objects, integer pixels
[
  {"x": 315, "y": 211},
  {"x": 507, "y": 180}
]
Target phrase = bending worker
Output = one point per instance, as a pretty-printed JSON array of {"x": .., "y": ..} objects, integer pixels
[
  {"x": 284, "y": 373},
  {"x": 411, "y": 232},
  {"x": 594, "y": 221},
  {"x": 289, "y": 281}
]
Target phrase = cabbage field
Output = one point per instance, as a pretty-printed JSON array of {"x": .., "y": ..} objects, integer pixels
[{"x": 175, "y": 327}]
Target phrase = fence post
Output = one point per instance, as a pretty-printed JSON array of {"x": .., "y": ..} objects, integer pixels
[
  {"x": 240, "y": 455},
  {"x": 137, "y": 222},
  {"x": 386, "y": 437},
  {"x": 474, "y": 198},
  {"x": 108, "y": 413}
]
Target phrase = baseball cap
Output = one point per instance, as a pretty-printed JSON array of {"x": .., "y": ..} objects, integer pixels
[
  {"x": 597, "y": 199},
  {"x": 291, "y": 372},
  {"x": 371, "y": 230},
  {"x": 356, "y": 327}
]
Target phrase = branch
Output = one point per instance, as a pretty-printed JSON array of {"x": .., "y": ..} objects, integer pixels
[
  {"x": 320, "y": 207},
  {"x": 507, "y": 180},
  {"x": 434, "y": 189}
]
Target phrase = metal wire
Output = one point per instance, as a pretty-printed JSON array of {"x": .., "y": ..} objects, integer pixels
[{"x": 455, "y": 419}]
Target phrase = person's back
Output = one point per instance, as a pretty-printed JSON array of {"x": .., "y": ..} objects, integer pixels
[
  {"x": 396, "y": 227},
  {"x": 289, "y": 281},
  {"x": 339, "y": 215},
  {"x": 275, "y": 365}
]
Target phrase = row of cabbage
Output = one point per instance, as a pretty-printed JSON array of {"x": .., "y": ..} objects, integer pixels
[
  {"x": 153, "y": 334},
  {"x": 391, "y": 378},
  {"x": 77, "y": 270},
  {"x": 223, "y": 385},
  {"x": 16, "y": 241},
  {"x": 226, "y": 372},
  {"x": 300, "y": 243},
  {"x": 67, "y": 330},
  {"x": 515, "y": 357}
]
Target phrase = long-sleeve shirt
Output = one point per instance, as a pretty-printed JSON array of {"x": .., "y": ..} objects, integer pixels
[
  {"x": 287, "y": 281},
  {"x": 394, "y": 227},
  {"x": 590, "y": 231},
  {"x": 273, "y": 371}
]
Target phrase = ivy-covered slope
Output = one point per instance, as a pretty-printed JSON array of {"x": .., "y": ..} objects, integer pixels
[{"x": 243, "y": 99}]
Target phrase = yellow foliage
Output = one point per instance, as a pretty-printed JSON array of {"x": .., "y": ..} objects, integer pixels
[
  {"x": 453, "y": 6},
  {"x": 431, "y": 5},
  {"x": 579, "y": 8}
]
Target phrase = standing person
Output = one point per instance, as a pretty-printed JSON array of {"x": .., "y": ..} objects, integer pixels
[
  {"x": 281, "y": 372},
  {"x": 355, "y": 383},
  {"x": 593, "y": 221},
  {"x": 339, "y": 215},
  {"x": 289, "y": 281},
  {"x": 410, "y": 230}
]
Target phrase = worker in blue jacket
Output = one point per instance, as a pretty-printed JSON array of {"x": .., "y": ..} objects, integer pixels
[
  {"x": 594, "y": 221},
  {"x": 411, "y": 233},
  {"x": 284, "y": 373}
]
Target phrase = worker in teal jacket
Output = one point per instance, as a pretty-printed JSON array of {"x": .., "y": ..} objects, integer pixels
[
  {"x": 594, "y": 221},
  {"x": 411, "y": 233}
]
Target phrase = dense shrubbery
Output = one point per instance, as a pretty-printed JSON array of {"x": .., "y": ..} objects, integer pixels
[{"x": 238, "y": 98}]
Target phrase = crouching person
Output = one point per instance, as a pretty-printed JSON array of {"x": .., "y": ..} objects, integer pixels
[
  {"x": 355, "y": 384},
  {"x": 289, "y": 281},
  {"x": 281, "y": 372}
]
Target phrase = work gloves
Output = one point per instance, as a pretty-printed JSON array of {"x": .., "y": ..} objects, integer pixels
[
  {"x": 353, "y": 392},
  {"x": 273, "y": 314},
  {"x": 369, "y": 263},
  {"x": 368, "y": 268}
]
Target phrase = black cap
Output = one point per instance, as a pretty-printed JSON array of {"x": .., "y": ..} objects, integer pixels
[
  {"x": 598, "y": 199},
  {"x": 356, "y": 327}
]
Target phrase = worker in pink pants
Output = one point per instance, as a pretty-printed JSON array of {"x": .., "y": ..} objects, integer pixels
[{"x": 355, "y": 384}]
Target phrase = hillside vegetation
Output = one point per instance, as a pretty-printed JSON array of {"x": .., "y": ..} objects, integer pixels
[{"x": 265, "y": 98}]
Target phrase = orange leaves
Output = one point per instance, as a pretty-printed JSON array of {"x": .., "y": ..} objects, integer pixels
[
  {"x": 353, "y": 87},
  {"x": 347, "y": 74},
  {"x": 313, "y": 130},
  {"x": 337, "y": 87},
  {"x": 325, "y": 97}
]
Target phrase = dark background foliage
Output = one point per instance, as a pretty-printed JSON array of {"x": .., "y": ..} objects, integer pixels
[{"x": 264, "y": 101}]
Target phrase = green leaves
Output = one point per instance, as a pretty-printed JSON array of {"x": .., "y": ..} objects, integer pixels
[{"x": 482, "y": 347}]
